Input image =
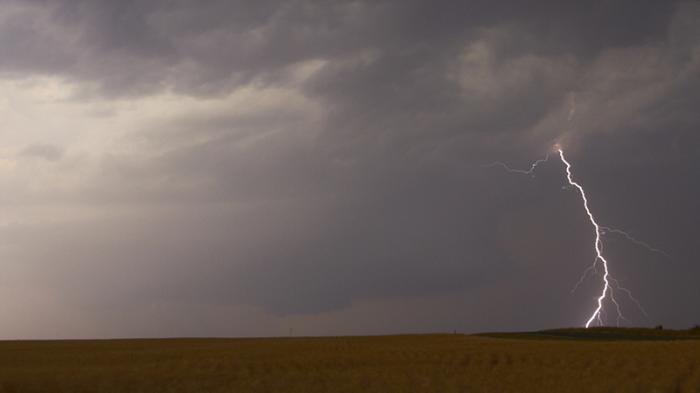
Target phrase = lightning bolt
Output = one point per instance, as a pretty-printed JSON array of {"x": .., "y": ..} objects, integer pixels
[
  {"x": 610, "y": 284},
  {"x": 598, "y": 246}
]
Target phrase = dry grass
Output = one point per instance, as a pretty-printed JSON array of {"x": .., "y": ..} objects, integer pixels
[{"x": 427, "y": 363}]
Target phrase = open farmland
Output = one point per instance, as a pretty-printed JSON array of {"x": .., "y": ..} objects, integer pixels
[{"x": 420, "y": 363}]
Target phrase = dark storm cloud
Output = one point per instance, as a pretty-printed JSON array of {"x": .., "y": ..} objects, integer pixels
[
  {"x": 200, "y": 47},
  {"x": 373, "y": 187}
]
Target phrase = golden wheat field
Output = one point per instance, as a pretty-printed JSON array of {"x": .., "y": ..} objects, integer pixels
[{"x": 420, "y": 363}]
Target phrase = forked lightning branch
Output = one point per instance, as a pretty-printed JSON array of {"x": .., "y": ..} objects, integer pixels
[{"x": 609, "y": 284}]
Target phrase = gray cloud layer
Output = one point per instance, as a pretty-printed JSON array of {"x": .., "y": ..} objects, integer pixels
[{"x": 328, "y": 169}]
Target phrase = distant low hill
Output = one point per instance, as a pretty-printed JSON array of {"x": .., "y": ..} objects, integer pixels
[{"x": 603, "y": 333}]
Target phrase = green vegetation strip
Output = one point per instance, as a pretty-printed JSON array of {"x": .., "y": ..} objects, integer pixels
[{"x": 602, "y": 333}]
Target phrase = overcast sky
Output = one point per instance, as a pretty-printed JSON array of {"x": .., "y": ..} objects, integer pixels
[{"x": 231, "y": 168}]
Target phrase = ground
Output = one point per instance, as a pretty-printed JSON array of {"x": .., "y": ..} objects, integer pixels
[{"x": 570, "y": 360}]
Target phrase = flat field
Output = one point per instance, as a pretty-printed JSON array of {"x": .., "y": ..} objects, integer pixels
[{"x": 571, "y": 361}]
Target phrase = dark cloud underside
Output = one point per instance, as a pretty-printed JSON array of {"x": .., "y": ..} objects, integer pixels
[{"x": 330, "y": 155}]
